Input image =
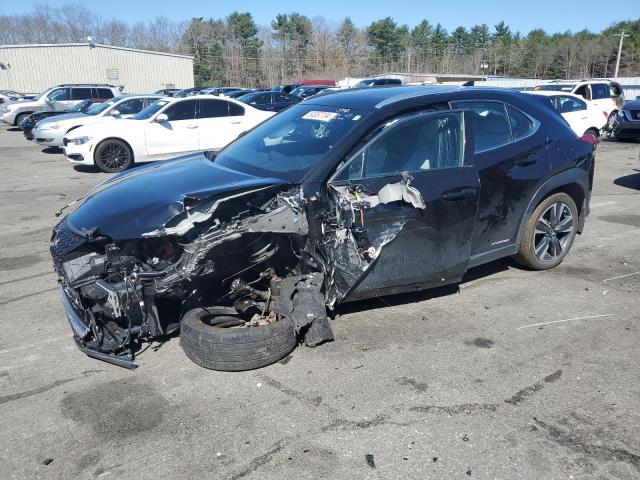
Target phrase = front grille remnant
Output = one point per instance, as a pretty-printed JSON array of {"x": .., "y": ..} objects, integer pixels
[{"x": 63, "y": 241}]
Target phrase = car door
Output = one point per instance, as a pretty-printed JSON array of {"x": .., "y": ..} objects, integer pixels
[
  {"x": 574, "y": 112},
  {"x": 59, "y": 99},
  {"x": 179, "y": 134},
  {"x": 511, "y": 158},
  {"x": 405, "y": 208},
  {"x": 217, "y": 126}
]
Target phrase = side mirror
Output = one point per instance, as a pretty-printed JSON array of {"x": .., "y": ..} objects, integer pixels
[
  {"x": 162, "y": 118},
  {"x": 115, "y": 113}
]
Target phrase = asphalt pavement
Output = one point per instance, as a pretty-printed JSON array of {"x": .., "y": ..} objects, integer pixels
[{"x": 511, "y": 374}]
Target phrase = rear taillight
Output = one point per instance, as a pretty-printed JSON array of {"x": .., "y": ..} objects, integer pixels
[{"x": 590, "y": 139}]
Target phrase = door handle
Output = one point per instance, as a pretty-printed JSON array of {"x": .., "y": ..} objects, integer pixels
[
  {"x": 236, "y": 122},
  {"x": 527, "y": 160},
  {"x": 459, "y": 193},
  {"x": 191, "y": 127}
]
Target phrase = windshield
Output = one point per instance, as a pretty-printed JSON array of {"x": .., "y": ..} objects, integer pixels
[
  {"x": 288, "y": 145},
  {"x": 560, "y": 87},
  {"x": 364, "y": 83},
  {"x": 150, "y": 111},
  {"x": 83, "y": 106},
  {"x": 97, "y": 108}
]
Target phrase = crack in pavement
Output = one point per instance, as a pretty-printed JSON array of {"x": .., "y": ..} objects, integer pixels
[
  {"x": 574, "y": 443},
  {"x": 379, "y": 419},
  {"x": 22, "y": 297},
  {"x": 35, "y": 391},
  {"x": 471, "y": 408},
  {"x": 521, "y": 395},
  {"x": 44, "y": 388}
]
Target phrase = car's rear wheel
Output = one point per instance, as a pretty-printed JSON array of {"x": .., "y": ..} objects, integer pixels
[
  {"x": 223, "y": 342},
  {"x": 549, "y": 233},
  {"x": 113, "y": 156},
  {"x": 595, "y": 134},
  {"x": 611, "y": 121}
]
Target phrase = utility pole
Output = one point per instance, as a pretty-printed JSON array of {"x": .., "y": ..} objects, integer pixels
[{"x": 622, "y": 36}]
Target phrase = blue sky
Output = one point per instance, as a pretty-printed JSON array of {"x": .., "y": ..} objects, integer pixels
[{"x": 551, "y": 15}]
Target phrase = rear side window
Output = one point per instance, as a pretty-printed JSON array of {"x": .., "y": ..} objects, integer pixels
[
  {"x": 235, "y": 110},
  {"x": 569, "y": 104},
  {"x": 490, "y": 123},
  {"x": 81, "y": 93},
  {"x": 213, "y": 109},
  {"x": 521, "y": 125},
  {"x": 599, "y": 90},
  {"x": 181, "y": 111},
  {"x": 493, "y": 127},
  {"x": 105, "y": 93}
]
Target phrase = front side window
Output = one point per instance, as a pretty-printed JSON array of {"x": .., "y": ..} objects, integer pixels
[
  {"x": 570, "y": 104},
  {"x": 291, "y": 143},
  {"x": 420, "y": 142},
  {"x": 81, "y": 93},
  {"x": 60, "y": 95},
  {"x": 182, "y": 111}
]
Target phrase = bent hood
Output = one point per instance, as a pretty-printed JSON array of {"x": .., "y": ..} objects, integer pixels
[
  {"x": 61, "y": 117},
  {"x": 137, "y": 202}
]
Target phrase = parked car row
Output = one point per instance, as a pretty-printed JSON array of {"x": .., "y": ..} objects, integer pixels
[{"x": 149, "y": 127}]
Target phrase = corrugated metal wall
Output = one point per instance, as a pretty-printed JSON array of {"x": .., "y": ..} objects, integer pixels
[{"x": 33, "y": 68}]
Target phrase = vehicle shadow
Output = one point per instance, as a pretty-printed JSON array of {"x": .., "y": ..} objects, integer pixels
[
  {"x": 13, "y": 129},
  {"x": 629, "y": 181},
  {"x": 86, "y": 169},
  {"x": 52, "y": 150},
  {"x": 472, "y": 274}
]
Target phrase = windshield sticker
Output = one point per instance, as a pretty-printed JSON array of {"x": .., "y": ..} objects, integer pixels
[{"x": 321, "y": 116}]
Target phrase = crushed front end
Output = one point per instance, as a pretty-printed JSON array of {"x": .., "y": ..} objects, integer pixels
[{"x": 240, "y": 251}]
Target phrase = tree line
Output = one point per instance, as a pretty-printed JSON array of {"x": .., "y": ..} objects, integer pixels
[{"x": 235, "y": 50}]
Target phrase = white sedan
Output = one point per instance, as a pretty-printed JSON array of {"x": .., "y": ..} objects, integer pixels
[
  {"x": 50, "y": 132},
  {"x": 168, "y": 127},
  {"x": 583, "y": 117}
]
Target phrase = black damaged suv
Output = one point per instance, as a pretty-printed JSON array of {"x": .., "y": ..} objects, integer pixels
[{"x": 342, "y": 197}]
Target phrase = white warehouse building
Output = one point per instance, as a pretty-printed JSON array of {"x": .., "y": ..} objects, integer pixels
[{"x": 33, "y": 68}]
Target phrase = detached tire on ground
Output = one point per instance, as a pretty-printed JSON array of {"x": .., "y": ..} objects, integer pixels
[{"x": 223, "y": 346}]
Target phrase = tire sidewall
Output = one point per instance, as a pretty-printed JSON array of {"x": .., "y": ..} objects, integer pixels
[
  {"x": 104, "y": 144},
  {"x": 528, "y": 244}
]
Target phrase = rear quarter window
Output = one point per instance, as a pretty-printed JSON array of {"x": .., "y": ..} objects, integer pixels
[
  {"x": 521, "y": 125},
  {"x": 599, "y": 90}
]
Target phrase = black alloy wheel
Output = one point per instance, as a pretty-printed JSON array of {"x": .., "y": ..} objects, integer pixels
[{"x": 113, "y": 156}]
